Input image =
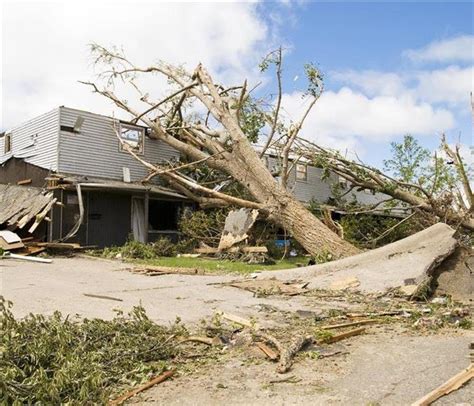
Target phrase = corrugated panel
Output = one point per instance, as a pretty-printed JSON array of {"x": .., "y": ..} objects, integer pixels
[
  {"x": 95, "y": 151},
  {"x": 36, "y": 141}
]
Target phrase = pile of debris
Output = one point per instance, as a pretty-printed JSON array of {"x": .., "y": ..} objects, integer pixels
[
  {"x": 233, "y": 242},
  {"x": 21, "y": 206},
  {"x": 12, "y": 246}
]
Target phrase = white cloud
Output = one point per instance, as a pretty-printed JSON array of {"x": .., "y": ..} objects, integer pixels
[
  {"x": 45, "y": 46},
  {"x": 450, "y": 85},
  {"x": 372, "y": 82},
  {"x": 342, "y": 119},
  {"x": 454, "y": 49}
]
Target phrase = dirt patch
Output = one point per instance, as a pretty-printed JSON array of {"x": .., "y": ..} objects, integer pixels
[{"x": 456, "y": 276}]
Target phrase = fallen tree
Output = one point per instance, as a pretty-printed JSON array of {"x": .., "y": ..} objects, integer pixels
[
  {"x": 443, "y": 193},
  {"x": 221, "y": 138}
]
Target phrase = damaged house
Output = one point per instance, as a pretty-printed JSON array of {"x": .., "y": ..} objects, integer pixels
[
  {"x": 76, "y": 158},
  {"x": 64, "y": 176}
]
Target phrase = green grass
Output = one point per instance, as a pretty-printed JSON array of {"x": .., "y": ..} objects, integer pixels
[{"x": 220, "y": 265}]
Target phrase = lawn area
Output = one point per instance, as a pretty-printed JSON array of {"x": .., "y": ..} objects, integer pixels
[{"x": 221, "y": 265}]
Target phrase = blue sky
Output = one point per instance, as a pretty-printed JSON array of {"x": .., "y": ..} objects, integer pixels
[
  {"x": 390, "y": 68},
  {"x": 361, "y": 36}
]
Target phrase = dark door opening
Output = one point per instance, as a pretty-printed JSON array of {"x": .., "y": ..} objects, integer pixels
[{"x": 163, "y": 215}]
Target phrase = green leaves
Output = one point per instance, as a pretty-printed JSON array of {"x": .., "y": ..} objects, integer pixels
[{"x": 55, "y": 360}]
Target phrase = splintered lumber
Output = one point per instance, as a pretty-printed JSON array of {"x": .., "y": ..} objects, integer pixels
[
  {"x": 238, "y": 320},
  {"x": 449, "y": 386},
  {"x": 166, "y": 270},
  {"x": 103, "y": 297},
  {"x": 20, "y": 204},
  {"x": 270, "y": 286},
  {"x": 205, "y": 340},
  {"x": 344, "y": 335},
  {"x": 160, "y": 378},
  {"x": 351, "y": 324},
  {"x": 269, "y": 352},
  {"x": 59, "y": 245},
  {"x": 41, "y": 216}
]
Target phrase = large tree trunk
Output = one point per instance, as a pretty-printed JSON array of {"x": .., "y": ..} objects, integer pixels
[{"x": 283, "y": 208}]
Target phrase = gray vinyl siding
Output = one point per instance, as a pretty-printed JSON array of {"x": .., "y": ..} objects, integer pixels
[
  {"x": 95, "y": 150},
  {"x": 313, "y": 188},
  {"x": 35, "y": 141}
]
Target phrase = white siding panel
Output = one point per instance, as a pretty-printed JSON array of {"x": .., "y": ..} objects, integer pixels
[
  {"x": 36, "y": 141},
  {"x": 95, "y": 151}
]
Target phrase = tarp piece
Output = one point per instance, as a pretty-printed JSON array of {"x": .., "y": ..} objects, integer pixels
[
  {"x": 237, "y": 224},
  {"x": 20, "y": 204},
  {"x": 406, "y": 264}
]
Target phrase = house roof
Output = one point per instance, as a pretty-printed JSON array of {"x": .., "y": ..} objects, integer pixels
[{"x": 70, "y": 181}]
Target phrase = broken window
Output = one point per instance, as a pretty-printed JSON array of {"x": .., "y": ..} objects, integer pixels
[
  {"x": 8, "y": 143},
  {"x": 301, "y": 172},
  {"x": 132, "y": 136}
]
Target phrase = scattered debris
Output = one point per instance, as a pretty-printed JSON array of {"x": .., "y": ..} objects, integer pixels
[
  {"x": 160, "y": 378},
  {"x": 103, "y": 297},
  {"x": 26, "y": 258},
  {"x": 287, "y": 354},
  {"x": 239, "y": 320},
  {"x": 449, "y": 386},
  {"x": 269, "y": 352},
  {"x": 346, "y": 283},
  {"x": 205, "y": 340},
  {"x": 19, "y": 205},
  {"x": 272, "y": 286},
  {"x": 149, "y": 270},
  {"x": 342, "y": 336},
  {"x": 237, "y": 224},
  {"x": 290, "y": 379},
  {"x": 10, "y": 241},
  {"x": 350, "y": 324}
]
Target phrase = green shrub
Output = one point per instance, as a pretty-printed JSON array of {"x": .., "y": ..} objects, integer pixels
[
  {"x": 137, "y": 250},
  {"x": 163, "y": 247}
]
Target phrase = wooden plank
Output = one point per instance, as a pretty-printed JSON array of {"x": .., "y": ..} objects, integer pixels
[
  {"x": 449, "y": 386},
  {"x": 269, "y": 352},
  {"x": 163, "y": 377},
  {"x": 238, "y": 320},
  {"x": 344, "y": 335},
  {"x": 41, "y": 216},
  {"x": 351, "y": 324},
  {"x": 24, "y": 182}
]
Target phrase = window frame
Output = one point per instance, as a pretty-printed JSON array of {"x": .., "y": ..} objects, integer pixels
[
  {"x": 141, "y": 149},
  {"x": 298, "y": 172}
]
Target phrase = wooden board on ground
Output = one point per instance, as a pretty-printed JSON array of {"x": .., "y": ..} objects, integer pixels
[
  {"x": 149, "y": 270},
  {"x": 449, "y": 386},
  {"x": 245, "y": 250},
  {"x": 270, "y": 286}
]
